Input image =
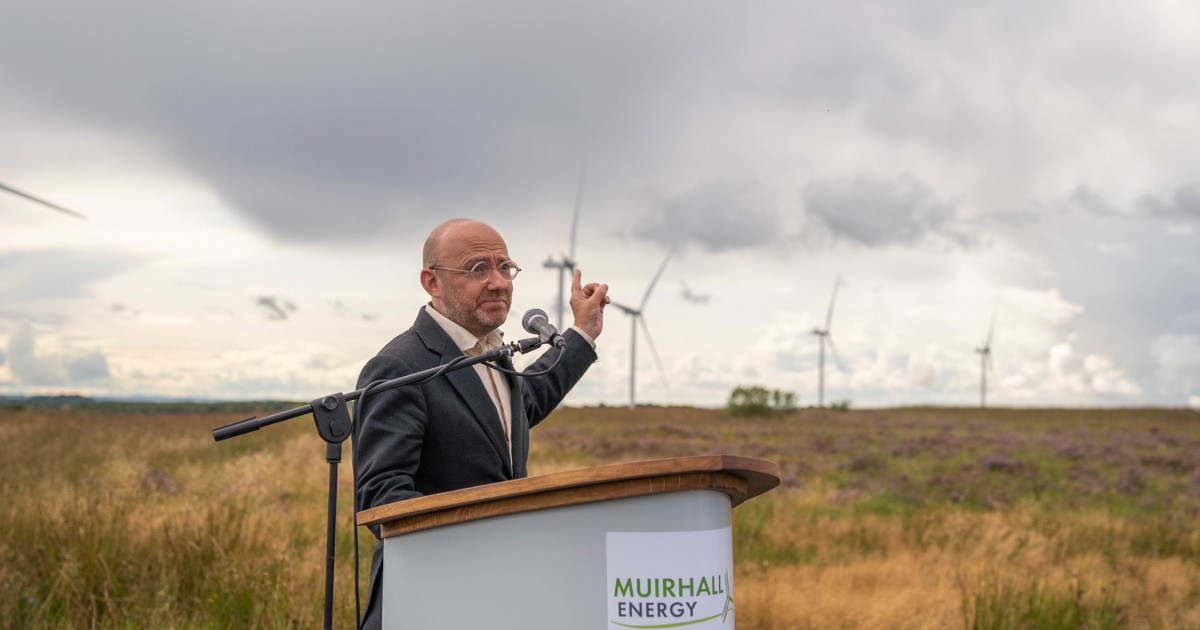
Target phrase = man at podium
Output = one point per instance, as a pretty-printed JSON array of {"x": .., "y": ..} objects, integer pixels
[{"x": 469, "y": 427}]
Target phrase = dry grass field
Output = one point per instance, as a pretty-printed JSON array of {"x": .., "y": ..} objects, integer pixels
[{"x": 902, "y": 518}]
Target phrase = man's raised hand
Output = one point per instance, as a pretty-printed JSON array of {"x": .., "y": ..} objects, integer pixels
[{"x": 587, "y": 303}]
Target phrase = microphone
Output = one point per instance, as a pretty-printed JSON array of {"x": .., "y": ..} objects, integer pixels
[{"x": 535, "y": 321}]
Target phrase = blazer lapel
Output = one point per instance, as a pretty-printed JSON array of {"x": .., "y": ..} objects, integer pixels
[{"x": 468, "y": 385}]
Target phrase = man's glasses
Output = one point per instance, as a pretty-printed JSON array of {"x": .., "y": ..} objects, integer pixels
[{"x": 481, "y": 271}]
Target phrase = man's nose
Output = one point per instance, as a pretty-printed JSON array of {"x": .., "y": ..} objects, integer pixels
[{"x": 496, "y": 280}]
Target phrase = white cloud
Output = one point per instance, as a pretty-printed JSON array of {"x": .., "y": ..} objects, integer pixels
[
  {"x": 1075, "y": 377},
  {"x": 1177, "y": 352},
  {"x": 1178, "y": 364},
  {"x": 68, "y": 366},
  {"x": 1105, "y": 377}
]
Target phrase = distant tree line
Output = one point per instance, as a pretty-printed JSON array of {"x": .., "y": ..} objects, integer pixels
[
  {"x": 756, "y": 400},
  {"x": 17, "y": 403}
]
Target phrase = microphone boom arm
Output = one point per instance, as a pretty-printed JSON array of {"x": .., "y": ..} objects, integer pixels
[{"x": 253, "y": 423}]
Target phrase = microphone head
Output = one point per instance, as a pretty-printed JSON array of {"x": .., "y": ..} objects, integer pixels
[{"x": 531, "y": 315}]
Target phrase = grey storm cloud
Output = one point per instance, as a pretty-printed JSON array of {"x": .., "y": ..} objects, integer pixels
[
  {"x": 1089, "y": 201},
  {"x": 340, "y": 122},
  {"x": 881, "y": 212},
  {"x": 32, "y": 368},
  {"x": 717, "y": 215},
  {"x": 320, "y": 121},
  {"x": 328, "y": 121},
  {"x": 1183, "y": 205}
]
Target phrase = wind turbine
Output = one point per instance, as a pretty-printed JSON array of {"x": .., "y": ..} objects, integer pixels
[
  {"x": 985, "y": 363},
  {"x": 567, "y": 261},
  {"x": 638, "y": 319},
  {"x": 824, "y": 336},
  {"x": 42, "y": 201},
  {"x": 698, "y": 298}
]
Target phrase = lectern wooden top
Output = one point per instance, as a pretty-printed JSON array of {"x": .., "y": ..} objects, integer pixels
[{"x": 740, "y": 477}]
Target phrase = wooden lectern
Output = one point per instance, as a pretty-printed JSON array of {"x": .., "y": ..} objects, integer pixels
[{"x": 634, "y": 545}]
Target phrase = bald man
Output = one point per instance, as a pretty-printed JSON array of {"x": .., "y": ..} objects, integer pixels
[{"x": 469, "y": 427}]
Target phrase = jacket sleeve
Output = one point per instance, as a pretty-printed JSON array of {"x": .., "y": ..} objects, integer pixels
[
  {"x": 544, "y": 393},
  {"x": 389, "y": 431}
]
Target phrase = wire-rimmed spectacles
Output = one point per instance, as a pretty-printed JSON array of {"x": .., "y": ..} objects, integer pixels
[{"x": 481, "y": 271}]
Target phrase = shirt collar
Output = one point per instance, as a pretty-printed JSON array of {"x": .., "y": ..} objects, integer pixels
[{"x": 459, "y": 335}]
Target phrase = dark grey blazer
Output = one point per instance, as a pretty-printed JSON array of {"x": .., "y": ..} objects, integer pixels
[{"x": 445, "y": 434}]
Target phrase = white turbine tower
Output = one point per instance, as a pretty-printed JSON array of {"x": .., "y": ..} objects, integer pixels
[
  {"x": 985, "y": 362},
  {"x": 566, "y": 261},
  {"x": 636, "y": 319},
  {"x": 825, "y": 337},
  {"x": 42, "y": 201}
]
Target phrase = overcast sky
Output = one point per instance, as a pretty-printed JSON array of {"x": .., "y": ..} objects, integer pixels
[{"x": 258, "y": 180}]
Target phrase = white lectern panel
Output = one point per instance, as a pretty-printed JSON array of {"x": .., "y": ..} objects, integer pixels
[{"x": 539, "y": 570}]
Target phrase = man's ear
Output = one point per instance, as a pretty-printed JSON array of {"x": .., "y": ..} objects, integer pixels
[{"x": 431, "y": 283}]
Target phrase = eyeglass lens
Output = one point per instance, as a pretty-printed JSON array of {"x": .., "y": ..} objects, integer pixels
[{"x": 480, "y": 272}]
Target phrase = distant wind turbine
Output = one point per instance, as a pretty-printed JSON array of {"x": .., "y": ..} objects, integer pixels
[
  {"x": 825, "y": 337},
  {"x": 985, "y": 362},
  {"x": 43, "y": 202},
  {"x": 638, "y": 319},
  {"x": 698, "y": 298},
  {"x": 567, "y": 261}
]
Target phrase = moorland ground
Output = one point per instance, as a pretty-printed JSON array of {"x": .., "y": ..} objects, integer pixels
[{"x": 120, "y": 516}]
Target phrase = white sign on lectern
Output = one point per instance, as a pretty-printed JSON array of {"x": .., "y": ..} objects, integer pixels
[{"x": 670, "y": 579}]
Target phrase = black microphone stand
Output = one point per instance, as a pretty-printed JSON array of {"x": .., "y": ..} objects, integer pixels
[{"x": 334, "y": 425}]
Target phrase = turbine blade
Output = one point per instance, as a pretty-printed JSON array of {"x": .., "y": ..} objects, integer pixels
[
  {"x": 575, "y": 220},
  {"x": 991, "y": 366},
  {"x": 43, "y": 202},
  {"x": 833, "y": 350},
  {"x": 629, "y": 310},
  {"x": 654, "y": 353},
  {"x": 656, "y": 276},
  {"x": 991, "y": 329},
  {"x": 829, "y": 316}
]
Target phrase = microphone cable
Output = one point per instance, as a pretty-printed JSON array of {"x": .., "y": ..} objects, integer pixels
[
  {"x": 358, "y": 412},
  {"x": 557, "y": 359}
]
